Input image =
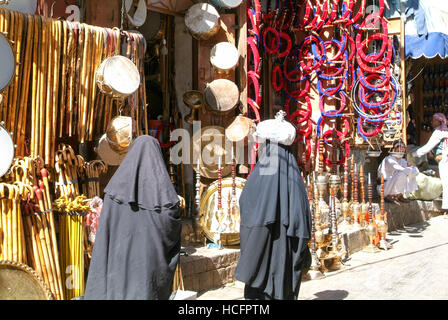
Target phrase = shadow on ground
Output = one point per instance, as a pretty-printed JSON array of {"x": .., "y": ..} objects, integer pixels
[{"x": 331, "y": 295}]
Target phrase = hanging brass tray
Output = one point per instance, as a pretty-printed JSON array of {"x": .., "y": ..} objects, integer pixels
[{"x": 19, "y": 282}]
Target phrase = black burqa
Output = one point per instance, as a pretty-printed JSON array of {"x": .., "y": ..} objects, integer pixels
[
  {"x": 137, "y": 245},
  {"x": 275, "y": 227}
]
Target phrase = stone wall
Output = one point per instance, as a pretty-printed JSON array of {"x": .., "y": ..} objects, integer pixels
[{"x": 204, "y": 269}]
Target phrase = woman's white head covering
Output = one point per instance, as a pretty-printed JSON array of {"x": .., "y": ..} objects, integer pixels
[{"x": 276, "y": 130}]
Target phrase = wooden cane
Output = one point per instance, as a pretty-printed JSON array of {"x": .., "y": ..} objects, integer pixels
[
  {"x": 45, "y": 240},
  {"x": 64, "y": 80}
]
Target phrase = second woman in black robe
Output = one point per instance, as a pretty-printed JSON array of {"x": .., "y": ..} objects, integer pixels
[{"x": 275, "y": 227}]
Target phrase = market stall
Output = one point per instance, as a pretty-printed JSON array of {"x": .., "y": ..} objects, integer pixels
[{"x": 75, "y": 95}]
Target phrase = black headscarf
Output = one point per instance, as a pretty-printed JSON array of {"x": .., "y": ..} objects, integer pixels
[
  {"x": 275, "y": 225},
  {"x": 142, "y": 178},
  {"x": 137, "y": 244}
]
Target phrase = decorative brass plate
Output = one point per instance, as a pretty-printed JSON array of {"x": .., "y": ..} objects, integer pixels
[{"x": 209, "y": 204}]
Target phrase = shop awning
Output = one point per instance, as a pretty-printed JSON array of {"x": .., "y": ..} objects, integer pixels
[{"x": 426, "y": 29}]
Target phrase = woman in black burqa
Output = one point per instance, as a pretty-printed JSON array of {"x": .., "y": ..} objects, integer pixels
[
  {"x": 137, "y": 245},
  {"x": 275, "y": 227}
]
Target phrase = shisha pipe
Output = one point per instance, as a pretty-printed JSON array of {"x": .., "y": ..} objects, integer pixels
[
  {"x": 382, "y": 223},
  {"x": 334, "y": 233},
  {"x": 318, "y": 234},
  {"x": 345, "y": 206},
  {"x": 235, "y": 208},
  {"x": 314, "y": 272},
  {"x": 219, "y": 212},
  {"x": 356, "y": 206},
  {"x": 371, "y": 228},
  {"x": 364, "y": 204},
  {"x": 197, "y": 227},
  {"x": 322, "y": 181},
  {"x": 215, "y": 226},
  {"x": 313, "y": 151},
  {"x": 334, "y": 146}
]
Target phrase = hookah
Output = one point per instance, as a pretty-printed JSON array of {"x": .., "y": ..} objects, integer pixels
[
  {"x": 382, "y": 222},
  {"x": 218, "y": 216},
  {"x": 345, "y": 206},
  {"x": 234, "y": 206},
  {"x": 196, "y": 218},
  {"x": 335, "y": 179},
  {"x": 334, "y": 252},
  {"x": 314, "y": 273},
  {"x": 364, "y": 204},
  {"x": 319, "y": 235},
  {"x": 322, "y": 181},
  {"x": 371, "y": 229},
  {"x": 356, "y": 206}
]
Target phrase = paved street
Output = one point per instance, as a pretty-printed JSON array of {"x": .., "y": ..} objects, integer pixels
[{"x": 415, "y": 268}]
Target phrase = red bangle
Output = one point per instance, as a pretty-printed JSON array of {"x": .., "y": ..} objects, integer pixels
[
  {"x": 341, "y": 49},
  {"x": 287, "y": 38},
  {"x": 331, "y": 67},
  {"x": 307, "y": 14},
  {"x": 371, "y": 76},
  {"x": 257, "y": 8},
  {"x": 255, "y": 54},
  {"x": 315, "y": 17},
  {"x": 253, "y": 79},
  {"x": 328, "y": 162},
  {"x": 253, "y": 20},
  {"x": 273, "y": 49},
  {"x": 335, "y": 114},
  {"x": 347, "y": 13},
  {"x": 305, "y": 114},
  {"x": 387, "y": 44},
  {"x": 334, "y": 12},
  {"x": 289, "y": 75},
  {"x": 299, "y": 93},
  {"x": 376, "y": 104},
  {"x": 359, "y": 14},
  {"x": 306, "y": 133},
  {"x": 346, "y": 125},
  {"x": 254, "y": 107},
  {"x": 303, "y": 52},
  {"x": 377, "y": 130},
  {"x": 384, "y": 63},
  {"x": 287, "y": 25},
  {"x": 352, "y": 47},
  {"x": 323, "y": 16},
  {"x": 276, "y": 75}
]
